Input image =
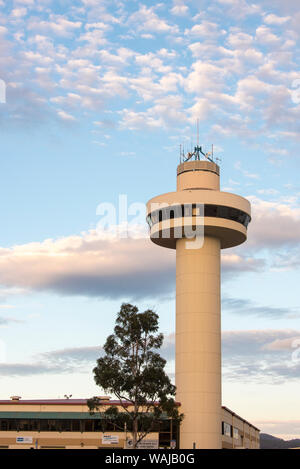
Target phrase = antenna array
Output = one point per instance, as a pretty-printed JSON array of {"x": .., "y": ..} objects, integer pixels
[{"x": 197, "y": 152}]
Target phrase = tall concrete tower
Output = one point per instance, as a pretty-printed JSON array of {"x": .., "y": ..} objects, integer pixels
[{"x": 198, "y": 221}]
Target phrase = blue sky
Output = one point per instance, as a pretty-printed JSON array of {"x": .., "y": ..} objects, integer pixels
[{"x": 99, "y": 96}]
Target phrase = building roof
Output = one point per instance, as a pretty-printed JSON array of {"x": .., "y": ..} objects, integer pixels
[
  {"x": 54, "y": 402},
  {"x": 241, "y": 418}
]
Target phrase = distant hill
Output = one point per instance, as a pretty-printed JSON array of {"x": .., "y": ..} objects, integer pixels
[{"x": 271, "y": 442}]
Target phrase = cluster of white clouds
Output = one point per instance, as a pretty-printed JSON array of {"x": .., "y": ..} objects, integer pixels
[{"x": 231, "y": 76}]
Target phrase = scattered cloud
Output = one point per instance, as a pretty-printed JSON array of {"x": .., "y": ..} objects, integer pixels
[
  {"x": 179, "y": 9},
  {"x": 65, "y": 116},
  {"x": 57, "y": 25},
  {"x": 251, "y": 356},
  {"x": 28, "y": 369},
  {"x": 274, "y": 223},
  {"x": 249, "y": 308},
  {"x": 263, "y": 356},
  {"x": 4, "y": 321},
  {"x": 100, "y": 264},
  {"x": 247, "y": 174},
  {"x": 285, "y": 429},
  {"x": 72, "y": 357},
  {"x": 145, "y": 19},
  {"x": 70, "y": 360},
  {"x": 90, "y": 265},
  {"x": 276, "y": 20}
]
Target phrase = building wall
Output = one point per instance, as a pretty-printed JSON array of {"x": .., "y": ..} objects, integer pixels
[
  {"x": 64, "y": 440},
  {"x": 241, "y": 433},
  {"x": 237, "y": 432}
]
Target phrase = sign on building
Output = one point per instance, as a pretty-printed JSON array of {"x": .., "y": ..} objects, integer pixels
[
  {"x": 24, "y": 439},
  {"x": 144, "y": 444},
  {"x": 110, "y": 439}
]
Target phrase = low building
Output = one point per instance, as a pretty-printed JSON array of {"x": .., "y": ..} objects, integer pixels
[
  {"x": 237, "y": 432},
  {"x": 68, "y": 424}
]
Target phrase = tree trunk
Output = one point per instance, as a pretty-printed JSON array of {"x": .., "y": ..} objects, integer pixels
[{"x": 134, "y": 432}]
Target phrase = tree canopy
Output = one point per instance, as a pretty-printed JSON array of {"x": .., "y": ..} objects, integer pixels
[{"x": 133, "y": 371}]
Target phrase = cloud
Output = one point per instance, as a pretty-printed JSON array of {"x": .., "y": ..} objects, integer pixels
[
  {"x": 248, "y": 307},
  {"x": 5, "y": 321},
  {"x": 150, "y": 88},
  {"x": 90, "y": 265},
  {"x": 240, "y": 40},
  {"x": 204, "y": 77},
  {"x": 19, "y": 12},
  {"x": 168, "y": 348},
  {"x": 25, "y": 107},
  {"x": 276, "y": 20},
  {"x": 166, "y": 112},
  {"x": 76, "y": 356},
  {"x": 265, "y": 36},
  {"x": 205, "y": 29},
  {"x": 245, "y": 173},
  {"x": 95, "y": 264},
  {"x": 235, "y": 263},
  {"x": 179, "y": 9},
  {"x": 285, "y": 429},
  {"x": 58, "y": 25},
  {"x": 28, "y": 369},
  {"x": 251, "y": 356},
  {"x": 137, "y": 120},
  {"x": 82, "y": 356},
  {"x": 274, "y": 224},
  {"x": 24, "y": 2},
  {"x": 70, "y": 360},
  {"x": 145, "y": 19},
  {"x": 288, "y": 6},
  {"x": 240, "y": 8},
  {"x": 65, "y": 116}
]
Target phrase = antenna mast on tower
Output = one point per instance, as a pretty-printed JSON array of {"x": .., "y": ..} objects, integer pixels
[{"x": 198, "y": 151}]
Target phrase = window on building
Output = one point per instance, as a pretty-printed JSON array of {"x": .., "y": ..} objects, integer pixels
[
  {"x": 226, "y": 429},
  {"x": 76, "y": 426},
  {"x": 43, "y": 425},
  {"x": 88, "y": 425},
  {"x": 53, "y": 426},
  {"x": 12, "y": 425},
  {"x": 3, "y": 425},
  {"x": 27, "y": 425},
  {"x": 65, "y": 426}
]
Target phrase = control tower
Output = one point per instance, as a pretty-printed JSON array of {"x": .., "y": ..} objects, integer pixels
[{"x": 198, "y": 220}]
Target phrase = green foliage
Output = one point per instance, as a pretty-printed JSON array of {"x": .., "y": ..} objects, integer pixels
[{"x": 133, "y": 371}]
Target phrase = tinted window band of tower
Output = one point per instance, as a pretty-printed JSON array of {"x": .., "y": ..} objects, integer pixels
[{"x": 215, "y": 211}]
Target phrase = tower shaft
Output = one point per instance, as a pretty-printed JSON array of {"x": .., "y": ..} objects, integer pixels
[{"x": 198, "y": 343}]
